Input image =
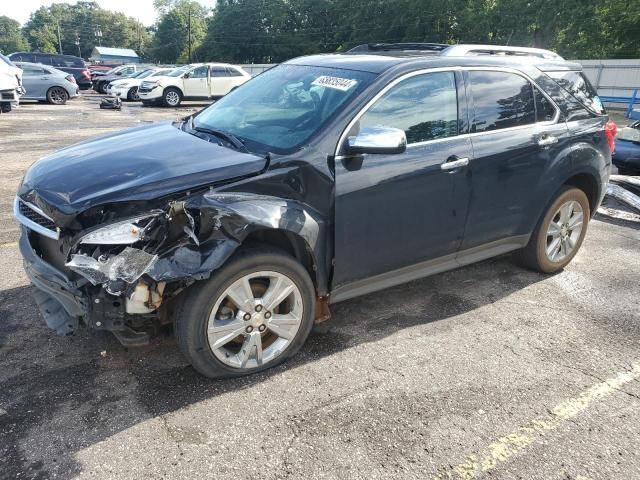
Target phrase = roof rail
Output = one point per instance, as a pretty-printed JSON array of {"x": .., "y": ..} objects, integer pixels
[
  {"x": 399, "y": 47},
  {"x": 465, "y": 50}
]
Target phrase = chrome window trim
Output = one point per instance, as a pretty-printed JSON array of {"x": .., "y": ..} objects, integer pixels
[
  {"x": 55, "y": 235},
  {"x": 395, "y": 81}
]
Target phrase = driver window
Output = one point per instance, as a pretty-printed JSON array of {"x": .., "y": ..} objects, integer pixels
[
  {"x": 200, "y": 72},
  {"x": 424, "y": 106}
]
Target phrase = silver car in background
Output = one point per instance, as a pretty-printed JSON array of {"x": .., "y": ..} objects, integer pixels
[{"x": 43, "y": 82}]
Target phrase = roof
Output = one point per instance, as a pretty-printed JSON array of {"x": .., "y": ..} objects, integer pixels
[
  {"x": 376, "y": 58},
  {"x": 117, "y": 52}
]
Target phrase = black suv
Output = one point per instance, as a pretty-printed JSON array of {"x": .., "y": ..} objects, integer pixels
[
  {"x": 324, "y": 178},
  {"x": 67, "y": 63}
]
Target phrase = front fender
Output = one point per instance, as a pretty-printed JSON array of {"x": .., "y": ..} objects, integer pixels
[{"x": 227, "y": 219}]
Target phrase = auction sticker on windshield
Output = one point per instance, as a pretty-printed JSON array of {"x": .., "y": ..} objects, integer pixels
[{"x": 337, "y": 83}]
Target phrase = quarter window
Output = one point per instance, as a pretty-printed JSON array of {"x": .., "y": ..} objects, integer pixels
[
  {"x": 544, "y": 108},
  {"x": 424, "y": 106},
  {"x": 501, "y": 100},
  {"x": 219, "y": 72}
]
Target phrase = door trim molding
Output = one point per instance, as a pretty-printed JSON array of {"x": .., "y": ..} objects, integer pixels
[{"x": 427, "y": 268}]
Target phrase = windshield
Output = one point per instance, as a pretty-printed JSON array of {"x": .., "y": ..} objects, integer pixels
[
  {"x": 144, "y": 74},
  {"x": 179, "y": 71},
  {"x": 282, "y": 108},
  {"x": 114, "y": 70},
  {"x": 161, "y": 73}
]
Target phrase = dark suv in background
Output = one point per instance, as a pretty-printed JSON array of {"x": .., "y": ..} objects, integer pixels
[
  {"x": 67, "y": 63},
  {"x": 322, "y": 179}
]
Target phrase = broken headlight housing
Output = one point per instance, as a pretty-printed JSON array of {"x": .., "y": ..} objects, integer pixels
[{"x": 124, "y": 232}]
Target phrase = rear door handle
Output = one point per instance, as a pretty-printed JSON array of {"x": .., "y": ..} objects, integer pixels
[
  {"x": 545, "y": 140},
  {"x": 453, "y": 164}
]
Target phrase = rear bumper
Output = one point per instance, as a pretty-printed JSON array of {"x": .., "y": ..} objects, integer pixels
[{"x": 60, "y": 300}]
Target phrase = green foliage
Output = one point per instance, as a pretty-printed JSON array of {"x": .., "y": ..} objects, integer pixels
[
  {"x": 171, "y": 39},
  {"x": 81, "y": 23},
  {"x": 265, "y": 31},
  {"x": 11, "y": 39}
]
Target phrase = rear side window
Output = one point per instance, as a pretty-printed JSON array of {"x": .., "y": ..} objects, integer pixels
[
  {"x": 501, "y": 100},
  {"x": 42, "y": 58},
  {"x": 578, "y": 85},
  {"x": 424, "y": 106},
  {"x": 22, "y": 57},
  {"x": 67, "y": 61},
  {"x": 232, "y": 72},
  {"x": 545, "y": 111},
  {"x": 219, "y": 72}
]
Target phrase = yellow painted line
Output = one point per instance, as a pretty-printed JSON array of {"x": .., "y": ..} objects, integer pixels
[
  {"x": 8, "y": 245},
  {"x": 506, "y": 447}
]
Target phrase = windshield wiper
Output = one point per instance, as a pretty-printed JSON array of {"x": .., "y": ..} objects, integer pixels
[{"x": 226, "y": 136}]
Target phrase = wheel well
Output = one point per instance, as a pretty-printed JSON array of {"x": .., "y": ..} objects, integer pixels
[
  {"x": 173, "y": 88},
  {"x": 288, "y": 242},
  {"x": 588, "y": 185}
]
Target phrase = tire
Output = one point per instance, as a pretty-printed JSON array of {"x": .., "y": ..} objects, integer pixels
[
  {"x": 5, "y": 107},
  {"x": 543, "y": 253},
  {"x": 241, "y": 331},
  {"x": 57, "y": 96},
  {"x": 171, "y": 97},
  {"x": 132, "y": 95}
]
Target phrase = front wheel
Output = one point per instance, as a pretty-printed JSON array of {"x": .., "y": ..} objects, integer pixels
[
  {"x": 132, "y": 95},
  {"x": 172, "y": 97},
  {"x": 560, "y": 233},
  {"x": 252, "y": 314}
]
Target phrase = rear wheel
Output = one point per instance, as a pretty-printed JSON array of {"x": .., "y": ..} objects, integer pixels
[
  {"x": 132, "y": 95},
  {"x": 172, "y": 97},
  {"x": 560, "y": 233},
  {"x": 252, "y": 314},
  {"x": 57, "y": 96}
]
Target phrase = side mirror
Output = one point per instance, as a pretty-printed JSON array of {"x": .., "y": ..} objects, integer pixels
[
  {"x": 378, "y": 140},
  {"x": 119, "y": 73},
  {"x": 186, "y": 75}
]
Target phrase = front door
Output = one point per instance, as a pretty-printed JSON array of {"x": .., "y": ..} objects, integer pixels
[
  {"x": 196, "y": 84},
  {"x": 393, "y": 212}
]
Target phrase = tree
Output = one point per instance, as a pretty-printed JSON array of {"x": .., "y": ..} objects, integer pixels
[
  {"x": 181, "y": 28},
  {"x": 80, "y": 25},
  {"x": 11, "y": 39}
]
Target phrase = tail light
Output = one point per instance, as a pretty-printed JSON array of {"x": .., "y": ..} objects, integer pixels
[
  {"x": 610, "y": 130},
  {"x": 70, "y": 78},
  {"x": 86, "y": 74}
]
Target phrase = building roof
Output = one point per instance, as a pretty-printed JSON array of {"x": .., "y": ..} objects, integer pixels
[{"x": 118, "y": 52}]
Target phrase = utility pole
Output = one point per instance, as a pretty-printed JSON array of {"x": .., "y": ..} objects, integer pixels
[
  {"x": 98, "y": 34},
  {"x": 78, "y": 43},
  {"x": 189, "y": 30},
  {"x": 59, "y": 39}
]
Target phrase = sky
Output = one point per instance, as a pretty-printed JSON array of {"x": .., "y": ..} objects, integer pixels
[{"x": 141, "y": 9}]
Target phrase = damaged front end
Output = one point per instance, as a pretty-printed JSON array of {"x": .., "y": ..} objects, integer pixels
[{"x": 123, "y": 276}]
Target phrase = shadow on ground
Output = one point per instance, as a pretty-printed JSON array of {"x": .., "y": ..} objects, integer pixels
[{"x": 44, "y": 373}]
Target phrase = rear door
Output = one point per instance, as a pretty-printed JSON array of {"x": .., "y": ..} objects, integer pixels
[
  {"x": 197, "y": 82},
  {"x": 515, "y": 135},
  {"x": 221, "y": 81},
  {"x": 35, "y": 81},
  {"x": 395, "y": 211}
]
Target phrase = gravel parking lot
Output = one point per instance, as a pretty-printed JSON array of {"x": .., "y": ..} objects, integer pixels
[{"x": 486, "y": 371}]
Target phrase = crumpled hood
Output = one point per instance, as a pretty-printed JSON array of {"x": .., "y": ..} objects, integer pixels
[{"x": 138, "y": 164}]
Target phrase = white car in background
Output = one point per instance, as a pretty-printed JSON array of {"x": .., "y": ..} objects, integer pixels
[
  {"x": 10, "y": 84},
  {"x": 192, "y": 82},
  {"x": 127, "y": 88}
]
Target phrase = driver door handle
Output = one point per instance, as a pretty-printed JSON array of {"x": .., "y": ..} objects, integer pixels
[{"x": 454, "y": 162}]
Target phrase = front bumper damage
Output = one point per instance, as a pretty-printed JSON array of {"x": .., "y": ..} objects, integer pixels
[{"x": 126, "y": 288}]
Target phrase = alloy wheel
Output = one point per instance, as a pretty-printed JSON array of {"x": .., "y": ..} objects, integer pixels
[
  {"x": 58, "y": 96},
  {"x": 172, "y": 98},
  {"x": 564, "y": 230},
  {"x": 255, "y": 319}
]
